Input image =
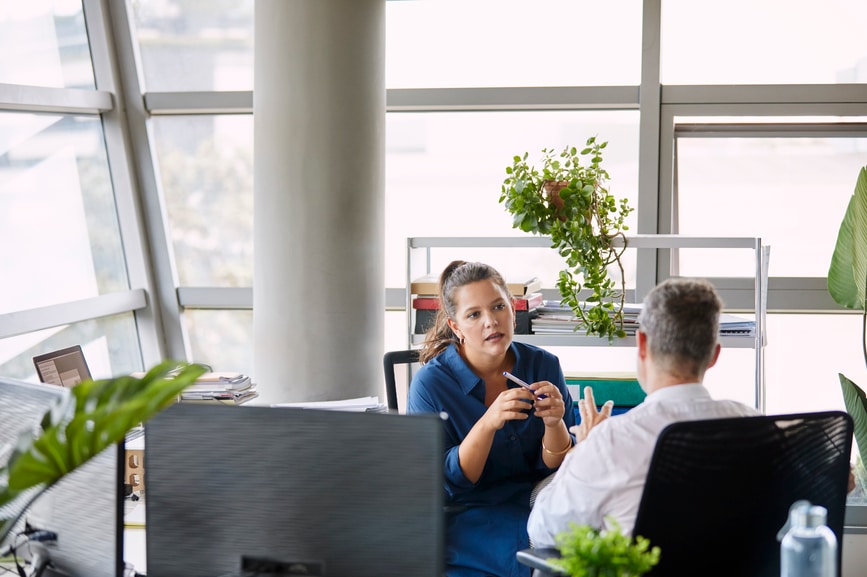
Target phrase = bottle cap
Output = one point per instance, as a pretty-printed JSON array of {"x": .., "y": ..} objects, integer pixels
[{"x": 809, "y": 517}]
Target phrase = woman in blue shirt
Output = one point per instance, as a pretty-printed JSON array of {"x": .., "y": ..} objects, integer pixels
[{"x": 501, "y": 439}]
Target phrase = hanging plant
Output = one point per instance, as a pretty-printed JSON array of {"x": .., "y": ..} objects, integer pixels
[{"x": 567, "y": 198}]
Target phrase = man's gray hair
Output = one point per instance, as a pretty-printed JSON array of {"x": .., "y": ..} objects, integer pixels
[{"x": 681, "y": 320}]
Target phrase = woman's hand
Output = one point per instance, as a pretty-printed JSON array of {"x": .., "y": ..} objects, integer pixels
[
  {"x": 590, "y": 416},
  {"x": 549, "y": 405},
  {"x": 510, "y": 405}
]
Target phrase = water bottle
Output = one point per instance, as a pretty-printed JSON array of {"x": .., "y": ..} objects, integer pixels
[{"x": 809, "y": 547}]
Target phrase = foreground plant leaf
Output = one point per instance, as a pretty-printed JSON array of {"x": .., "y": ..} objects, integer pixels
[{"x": 96, "y": 415}]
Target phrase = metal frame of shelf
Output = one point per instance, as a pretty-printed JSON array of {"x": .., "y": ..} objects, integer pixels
[{"x": 420, "y": 247}]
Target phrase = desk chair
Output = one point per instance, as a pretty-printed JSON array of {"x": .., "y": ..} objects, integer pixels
[
  {"x": 720, "y": 490},
  {"x": 389, "y": 360}
]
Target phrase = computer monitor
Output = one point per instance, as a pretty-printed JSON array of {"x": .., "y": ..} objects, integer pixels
[
  {"x": 331, "y": 493},
  {"x": 84, "y": 508},
  {"x": 65, "y": 367}
]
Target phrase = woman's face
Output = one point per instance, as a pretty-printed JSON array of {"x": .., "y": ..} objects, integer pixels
[{"x": 484, "y": 318}]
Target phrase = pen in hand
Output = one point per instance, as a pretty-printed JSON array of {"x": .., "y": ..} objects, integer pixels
[{"x": 518, "y": 381}]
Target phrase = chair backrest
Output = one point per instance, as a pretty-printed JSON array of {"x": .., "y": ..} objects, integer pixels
[
  {"x": 389, "y": 360},
  {"x": 718, "y": 491}
]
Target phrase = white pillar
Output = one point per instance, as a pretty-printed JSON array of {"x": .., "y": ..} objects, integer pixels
[{"x": 319, "y": 145}]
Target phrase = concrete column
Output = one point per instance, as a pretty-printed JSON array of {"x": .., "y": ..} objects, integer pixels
[{"x": 319, "y": 145}]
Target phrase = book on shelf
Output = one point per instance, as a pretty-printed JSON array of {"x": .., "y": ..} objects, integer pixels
[
  {"x": 523, "y": 303},
  {"x": 430, "y": 284},
  {"x": 425, "y": 309},
  {"x": 557, "y": 318}
]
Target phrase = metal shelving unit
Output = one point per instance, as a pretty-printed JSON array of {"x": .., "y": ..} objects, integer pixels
[{"x": 419, "y": 258}]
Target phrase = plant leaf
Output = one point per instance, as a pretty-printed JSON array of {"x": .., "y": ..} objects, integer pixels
[
  {"x": 104, "y": 411},
  {"x": 856, "y": 405},
  {"x": 846, "y": 275}
]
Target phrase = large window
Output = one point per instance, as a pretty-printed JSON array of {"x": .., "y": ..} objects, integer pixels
[
  {"x": 190, "y": 45},
  {"x": 126, "y": 163},
  {"x": 440, "y": 185},
  {"x": 206, "y": 170},
  {"x": 459, "y": 43},
  {"x": 44, "y": 43},
  {"x": 767, "y": 42}
]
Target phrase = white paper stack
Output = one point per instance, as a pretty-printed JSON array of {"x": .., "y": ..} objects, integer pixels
[{"x": 225, "y": 387}]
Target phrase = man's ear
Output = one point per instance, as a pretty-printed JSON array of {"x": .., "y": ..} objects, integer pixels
[
  {"x": 715, "y": 356},
  {"x": 641, "y": 339}
]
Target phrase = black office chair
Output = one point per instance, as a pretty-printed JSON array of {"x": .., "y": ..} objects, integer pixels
[
  {"x": 718, "y": 491},
  {"x": 389, "y": 360}
]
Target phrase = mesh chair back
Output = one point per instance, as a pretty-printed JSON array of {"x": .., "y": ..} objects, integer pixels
[
  {"x": 718, "y": 491},
  {"x": 389, "y": 360}
]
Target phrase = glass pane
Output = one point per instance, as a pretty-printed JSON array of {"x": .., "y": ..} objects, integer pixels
[
  {"x": 444, "y": 172},
  {"x": 58, "y": 222},
  {"x": 222, "y": 339},
  {"x": 463, "y": 43},
  {"x": 206, "y": 167},
  {"x": 44, "y": 43},
  {"x": 190, "y": 45},
  {"x": 803, "y": 357},
  {"x": 791, "y": 192},
  {"x": 768, "y": 42},
  {"x": 110, "y": 346}
]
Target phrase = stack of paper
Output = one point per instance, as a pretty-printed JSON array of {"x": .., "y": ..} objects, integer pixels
[
  {"x": 360, "y": 405},
  {"x": 556, "y": 317},
  {"x": 734, "y": 325},
  {"x": 223, "y": 387}
]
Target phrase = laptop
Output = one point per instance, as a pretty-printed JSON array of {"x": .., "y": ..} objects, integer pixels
[{"x": 65, "y": 367}]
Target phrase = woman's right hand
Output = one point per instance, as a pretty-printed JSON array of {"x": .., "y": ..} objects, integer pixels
[{"x": 510, "y": 405}]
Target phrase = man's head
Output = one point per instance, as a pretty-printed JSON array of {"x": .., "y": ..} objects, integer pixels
[{"x": 679, "y": 329}]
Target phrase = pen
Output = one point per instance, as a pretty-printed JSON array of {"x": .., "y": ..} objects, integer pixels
[{"x": 515, "y": 379}]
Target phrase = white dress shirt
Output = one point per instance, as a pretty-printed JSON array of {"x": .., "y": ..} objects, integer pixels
[{"x": 604, "y": 474}]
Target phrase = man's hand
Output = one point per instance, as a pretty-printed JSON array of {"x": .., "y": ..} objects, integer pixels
[{"x": 590, "y": 416}]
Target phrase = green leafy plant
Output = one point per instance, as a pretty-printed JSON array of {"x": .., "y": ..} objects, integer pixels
[
  {"x": 589, "y": 552},
  {"x": 568, "y": 199},
  {"x": 847, "y": 282},
  {"x": 94, "y": 416}
]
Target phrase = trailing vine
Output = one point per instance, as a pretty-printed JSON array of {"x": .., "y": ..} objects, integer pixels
[{"x": 568, "y": 200}]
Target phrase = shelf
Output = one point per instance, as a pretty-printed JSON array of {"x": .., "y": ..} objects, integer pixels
[
  {"x": 419, "y": 261},
  {"x": 729, "y": 342}
]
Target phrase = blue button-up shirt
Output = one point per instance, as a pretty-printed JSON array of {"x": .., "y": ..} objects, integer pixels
[{"x": 482, "y": 539}]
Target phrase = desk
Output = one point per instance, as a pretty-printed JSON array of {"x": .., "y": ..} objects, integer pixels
[{"x": 134, "y": 541}]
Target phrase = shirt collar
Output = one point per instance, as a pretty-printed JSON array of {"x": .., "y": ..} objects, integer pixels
[
  {"x": 678, "y": 393},
  {"x": 467, "y": 379}
]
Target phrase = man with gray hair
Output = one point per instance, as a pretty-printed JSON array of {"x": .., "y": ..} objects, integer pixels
[{"x": 603, "y": 475}]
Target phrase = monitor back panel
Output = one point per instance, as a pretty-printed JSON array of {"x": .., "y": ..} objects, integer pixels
[
  {"x": 346, "y": 494},
  {"x": 85, "y": 507}
]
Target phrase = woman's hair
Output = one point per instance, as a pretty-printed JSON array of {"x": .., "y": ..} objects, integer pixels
[{"x": 458, "y": 273}]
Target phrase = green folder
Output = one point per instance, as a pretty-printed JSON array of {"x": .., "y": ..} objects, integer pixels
[{"x": 623, "y": 390}]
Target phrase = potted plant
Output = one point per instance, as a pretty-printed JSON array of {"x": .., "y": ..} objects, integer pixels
[
  {"x": 567, "y": 198},
  {"x": 94, "y": 416},
  {"x": 589, "y": 552},
  {"x": 847, "y": 284}
]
